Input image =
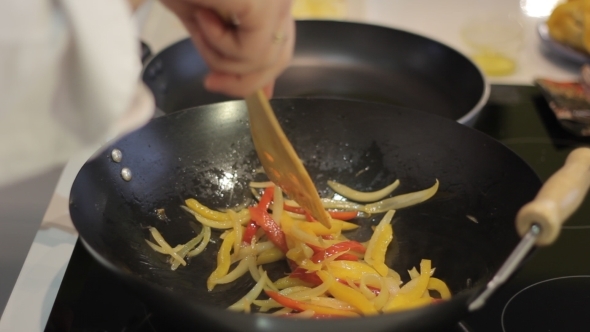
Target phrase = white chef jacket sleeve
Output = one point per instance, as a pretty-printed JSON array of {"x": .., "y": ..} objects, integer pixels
[{"x": 69, "y": 78}]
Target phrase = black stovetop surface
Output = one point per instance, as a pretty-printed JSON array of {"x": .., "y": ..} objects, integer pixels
[{"x": 550, "y": 293}]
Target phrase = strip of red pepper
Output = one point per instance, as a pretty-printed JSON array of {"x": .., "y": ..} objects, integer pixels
[
  {"x": 249, "y": 232},
  {"x": 321, "y": 254},
  {"x": 262, "y": 218},
  {"x": 340, "y": 215},
  {"x": 313, "y": 279},
  {"x": 263, "y": 204},
  {"x": 302, "y": 306},
  {"x": 305, "y": 276}
]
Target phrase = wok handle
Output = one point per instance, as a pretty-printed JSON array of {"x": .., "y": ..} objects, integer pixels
[{"x": 558, "y": 198}]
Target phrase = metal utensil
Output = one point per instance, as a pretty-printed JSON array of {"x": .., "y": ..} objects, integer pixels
[{"x": 279, "y": 159}]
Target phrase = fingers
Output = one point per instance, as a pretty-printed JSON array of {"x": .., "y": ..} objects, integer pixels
[
  {"x": 241, "y": 85},
  {"x": 246, "y": 55},
  {"x": 245, "y": 48}
]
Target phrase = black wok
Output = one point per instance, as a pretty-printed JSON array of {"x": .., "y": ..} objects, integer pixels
[
  {"x": 206, "y": 152},
  {"x": 342, "y": 60}
]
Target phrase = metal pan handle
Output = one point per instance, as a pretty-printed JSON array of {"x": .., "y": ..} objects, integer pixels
[{"x": 539, "y": 221}]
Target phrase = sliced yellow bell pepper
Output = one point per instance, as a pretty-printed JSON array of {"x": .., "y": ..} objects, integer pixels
[
  {"x": 223, "y": 259},
  {"x": 439, "y": 286},
  {"x": 407, "y": 296},
  {"x": 337, "y": 226},
  {"x": 286, "y": 282},
  {"x": 347, "y": 294},
  {"x": 349, "y": 270},
  {"x": 193, "y": 204},
  {"x": 378, "y": 255},
  {"x": 269, "y": 256}
]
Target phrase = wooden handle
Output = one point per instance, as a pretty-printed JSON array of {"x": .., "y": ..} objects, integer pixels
[{"x": 559, "y": 197}]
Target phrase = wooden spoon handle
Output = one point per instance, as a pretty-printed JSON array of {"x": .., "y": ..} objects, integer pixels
[{"x": 559, "y": 197}]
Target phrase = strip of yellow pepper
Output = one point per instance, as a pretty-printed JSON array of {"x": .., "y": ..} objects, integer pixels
[
  {"x": 223, "y": 259},
  {"x": 406, "y": 298},
  {"x": 193, "y": 204},
  {"x": 269, "y": 256},
  {"x": 439, "y": 286},
  {"x": 348, "y": 295},
  {"x": 349, "y": 270},
  {"x": 286, "y": 282},
  {"x": 337, "y": 226},
  {"x": 384, "y": 238}
]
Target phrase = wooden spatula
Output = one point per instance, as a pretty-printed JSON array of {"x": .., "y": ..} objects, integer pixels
[{"x": 279, "y": 159}]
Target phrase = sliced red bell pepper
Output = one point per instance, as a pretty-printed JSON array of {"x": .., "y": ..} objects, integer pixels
[
  {"x": 249, "y": 232},
  {"x": 343, "y": 215},
  {"x": 309, "y": 277},
  {"x": 321, "y": 254},
  {"x": 274, "y": 232},
  {"x": 340, "y": 215},
  {"x": 314, "y": 316},
  {"x": 302, "y": 306},
  {"x": 266, "y": 198}
]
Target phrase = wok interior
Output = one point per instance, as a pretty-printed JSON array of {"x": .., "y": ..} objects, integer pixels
[{"x": 207, "y": 153}]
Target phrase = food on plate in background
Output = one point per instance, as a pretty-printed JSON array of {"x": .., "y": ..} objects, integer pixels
[
  {"x": 332, "y": 275},
  {"x": 569, "y": 24},
  {"x": 495, "y": 41},
  {"x": 320, "y": 9},
  {"x": 569, "y": 101}
]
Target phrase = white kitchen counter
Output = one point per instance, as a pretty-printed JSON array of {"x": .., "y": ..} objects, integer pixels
[{"x": 34, "y": 292}]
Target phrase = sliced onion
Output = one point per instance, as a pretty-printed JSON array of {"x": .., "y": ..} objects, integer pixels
[
  {"x": 392, "y": 286},
  {"x": 188, "y": 247},
  {"x": 156, "y": 247},
  {"x": 165, "y": 246},
  {"x": 252, "y": 267},
  {"x": 277, "y": 207},
  {"x": 402, "y": 201},
  {"x": 345, "y": 205},
  {"x": 309, "y": 293},
  {"x": 266, "y": 305},
  {"x": 370, "y": 279},
  {"x": 331, "y": 302},
  {"x": 238, "y": 271},
  {"x": 251, "y": 295},
  {"x": 283, "y": 311},
  {"x": 360, "y": 196},
  {"x": 381, "y": 299},
  {"x": 206, "y": 237},
  {"x": 294, "y": 289}
]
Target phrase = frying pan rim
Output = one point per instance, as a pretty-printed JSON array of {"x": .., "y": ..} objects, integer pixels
[{"x": 467, "y": 119}]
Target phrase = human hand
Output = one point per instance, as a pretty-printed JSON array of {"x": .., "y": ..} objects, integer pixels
[{"x": 245, "y": 43}]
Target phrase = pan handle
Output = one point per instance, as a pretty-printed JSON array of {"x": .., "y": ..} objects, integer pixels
[
  {"x": 559, "y": 197},
  {"x": 539, "y": 221}
]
